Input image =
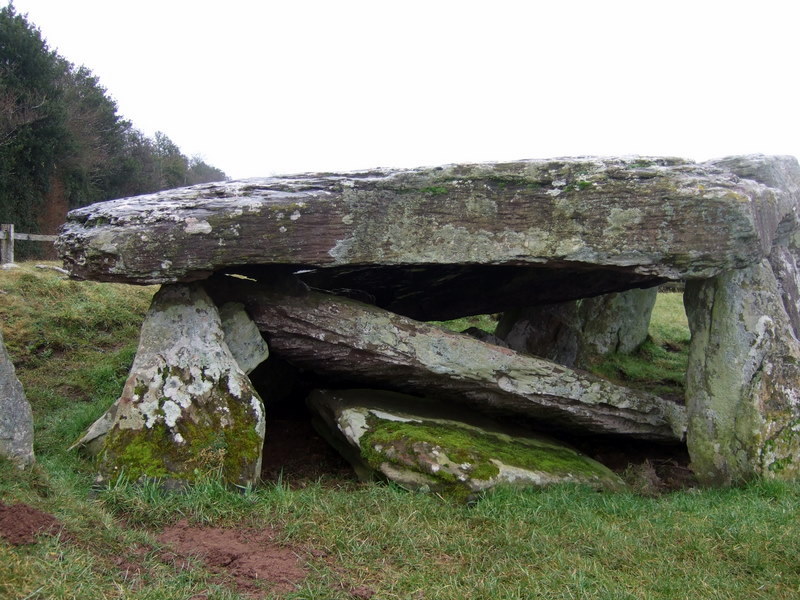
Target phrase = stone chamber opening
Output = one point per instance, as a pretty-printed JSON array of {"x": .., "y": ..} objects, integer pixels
[
  {"x": 296, "y": 455},
  {"x": 294, "y": 452}
]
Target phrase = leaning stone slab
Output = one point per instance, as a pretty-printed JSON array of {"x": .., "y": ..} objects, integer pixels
[
  {"x": 530, "y": 232},
  {"x": 743, "y": 379},
  {"x": 16, "y": 419},
  {"x": 573, "y": 333},
  {"x": 424, "y": 446},
  {"x": 352, "y": 341},
  {"x": 187, "y": 407}
]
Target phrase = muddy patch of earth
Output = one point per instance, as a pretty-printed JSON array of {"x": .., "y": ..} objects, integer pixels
[
  {"x": 20, "y": 524},
  {"x": 250, "y": 559}
]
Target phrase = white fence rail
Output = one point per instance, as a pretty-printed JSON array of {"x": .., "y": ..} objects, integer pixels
[{"x": 7, "y": 237}]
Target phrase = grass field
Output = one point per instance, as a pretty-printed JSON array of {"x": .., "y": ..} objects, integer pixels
[
  {"x": 72, "y": 344},
  {"x": 659, "y": 365}
]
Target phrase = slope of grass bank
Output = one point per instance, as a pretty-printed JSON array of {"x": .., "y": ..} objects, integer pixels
[
  {"x": 659, "y": 365},
  {"x": 73, "y": 343}
]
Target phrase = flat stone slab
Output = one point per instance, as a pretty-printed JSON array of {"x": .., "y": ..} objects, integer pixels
[
  {"x": 349, "y": 341},
  {"x": 425, "y": 446},
  {"x": 635, "y": 221}
]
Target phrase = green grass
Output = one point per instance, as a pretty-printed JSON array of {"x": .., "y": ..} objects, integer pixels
[
  {"x": 562, "y": 542},
  {"x": 659, "y": 365},
  {"x": 485, "y": 322}
]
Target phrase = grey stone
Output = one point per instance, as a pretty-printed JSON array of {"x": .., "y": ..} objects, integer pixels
[
  {"x": 243, "y": 337},
  {"x": 419, "y": 242},
  {"x": 16, "y": 419},
  {"x": 187, "y": 408},
  {"x": 783, "y": 260},
  {"x": 574, "y": 333},
  {"x": 426, "y": 446},
  {"x": 743, "y": 379},
  {"x": 782, "y": 174},
  {"x": 348, "y": 340}
]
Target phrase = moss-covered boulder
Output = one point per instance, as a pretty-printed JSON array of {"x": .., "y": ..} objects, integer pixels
[
  {"x": 743, "y": 379},
  {"x": 425, "y": 446},
  {"x": 187, "y": 408}
]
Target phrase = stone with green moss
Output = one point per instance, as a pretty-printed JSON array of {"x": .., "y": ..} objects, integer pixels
[
  {"x": 743, "y": 379},
  {"x": 426, "y": 446},
  {"x": 187, "y": 409}
]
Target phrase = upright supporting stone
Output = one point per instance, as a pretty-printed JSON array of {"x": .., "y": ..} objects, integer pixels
[
  {"x": 572, "y": 333},
  {"x": 16, "y": 421},
  {"x": 187, "y": 407},
  {"x": 743, "y": 379},
  {"x": 783, "y": 260}
]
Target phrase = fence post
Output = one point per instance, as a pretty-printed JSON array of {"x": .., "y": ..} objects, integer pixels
[{"x": 7, "y": 243}]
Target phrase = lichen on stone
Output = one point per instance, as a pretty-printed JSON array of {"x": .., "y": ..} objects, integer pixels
[{"x": 186, "y": 403}]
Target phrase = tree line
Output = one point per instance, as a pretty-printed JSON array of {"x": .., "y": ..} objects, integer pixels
[{"x": 63, "y": 142}]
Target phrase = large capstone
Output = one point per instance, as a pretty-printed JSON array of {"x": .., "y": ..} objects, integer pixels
[
  {"x": 420, "y": 242},
  {"x": 16, "y": 420},
  {"x": 187, "y": 408}
]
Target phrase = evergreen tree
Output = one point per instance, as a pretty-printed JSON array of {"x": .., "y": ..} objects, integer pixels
[
  {"x": 201, "y": 172},
  {"x": 32, "y": 118},
  {"x": 60, "y": 128}
]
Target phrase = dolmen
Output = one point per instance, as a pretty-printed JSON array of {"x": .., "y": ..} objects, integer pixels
[{"x": 339, "y": 275}]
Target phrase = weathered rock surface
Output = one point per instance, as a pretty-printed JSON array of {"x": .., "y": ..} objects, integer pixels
[
  {"x": 573, "y": 333},
  {"x": 242, "y": 337},
  {"x": 422, "y": 445},
  {"x": 187, "y": 407},
  {"x": 781, "y": 173},
  {"x": 743, "y": 379},
  {"x": 352, "y": 341},
  {"x": 418, "y": 242},
  {"x": 16, "y": 419}
]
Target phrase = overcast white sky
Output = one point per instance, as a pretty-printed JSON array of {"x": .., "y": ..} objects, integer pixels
[{"x": 260, "y": 88}]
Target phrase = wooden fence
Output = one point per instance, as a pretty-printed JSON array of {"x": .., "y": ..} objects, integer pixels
[{"x": 7, "y": 237}]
